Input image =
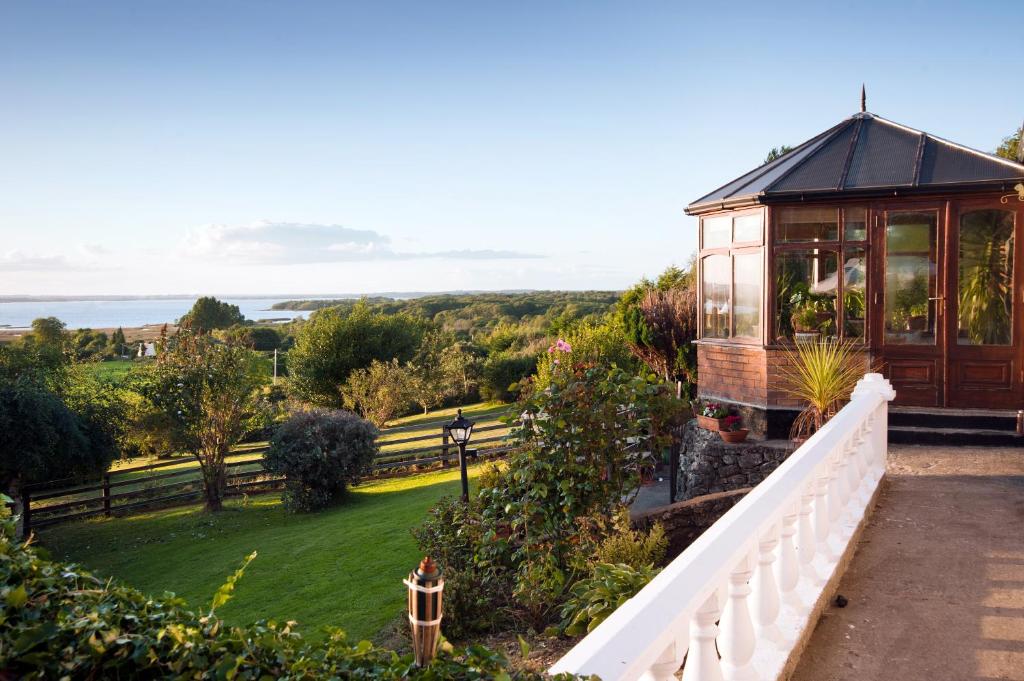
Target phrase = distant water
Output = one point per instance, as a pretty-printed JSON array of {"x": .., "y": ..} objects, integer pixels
[{"x": 99, "y": 314}]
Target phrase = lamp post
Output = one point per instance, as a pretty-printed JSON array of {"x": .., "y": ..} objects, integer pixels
[{"x": 460, "y": 429}]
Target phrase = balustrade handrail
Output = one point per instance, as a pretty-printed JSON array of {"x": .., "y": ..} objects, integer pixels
[{"x": 648, "y": 636}]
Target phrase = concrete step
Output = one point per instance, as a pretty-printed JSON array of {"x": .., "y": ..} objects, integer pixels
[
  {"x": 952, "y": 436},
  {"x": 960, "y": 419}
]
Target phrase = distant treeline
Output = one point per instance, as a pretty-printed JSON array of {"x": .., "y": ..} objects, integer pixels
[{"x": 474, "y": 312}]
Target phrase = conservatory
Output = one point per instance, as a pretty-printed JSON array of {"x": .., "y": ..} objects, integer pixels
[{"x": 893, "y": 238}]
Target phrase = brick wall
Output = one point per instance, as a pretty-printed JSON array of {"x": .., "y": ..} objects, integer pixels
[{"x": 732, "y": 373}]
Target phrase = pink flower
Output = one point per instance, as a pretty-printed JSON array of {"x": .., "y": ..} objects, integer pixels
[{"x": 563, "y": 346}]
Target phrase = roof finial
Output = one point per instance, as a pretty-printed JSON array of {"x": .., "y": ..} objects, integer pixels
[{"x": 863, "y": 99}]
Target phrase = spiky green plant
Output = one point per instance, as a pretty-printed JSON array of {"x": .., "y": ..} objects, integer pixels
[{"x": 822, "y": 375}]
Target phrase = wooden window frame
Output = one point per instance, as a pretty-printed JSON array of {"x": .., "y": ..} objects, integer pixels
[{"x": 733, "y": 249}]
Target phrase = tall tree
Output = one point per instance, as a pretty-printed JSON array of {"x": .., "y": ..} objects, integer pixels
[
  {"x": 777, "y": 152},
  {"x": 379, "y": 392},
  {"x": 205, "y": 389},
  {"x": 430, "y": 382},
  {"x": 334, "y": 343},
  {"x": 49, "y": 331},
  {"x": 1011, "y": 147},
  {"x": 208, "y": 313}
]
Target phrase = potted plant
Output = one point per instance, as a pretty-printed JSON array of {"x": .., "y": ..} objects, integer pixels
[
  {"x": 712, "y": 416},
  {"x": 822, "y": 376},
  {"x": 732, "y": 432},
  {"x": 806, "y": 323}
]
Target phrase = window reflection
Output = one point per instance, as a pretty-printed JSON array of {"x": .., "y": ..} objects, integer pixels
[
  {"x": 747, "y": 295},
  {"x": 911, "y": 246},
  {"x": 985, "y": 301},
  {"x": 715, "y": 285}
]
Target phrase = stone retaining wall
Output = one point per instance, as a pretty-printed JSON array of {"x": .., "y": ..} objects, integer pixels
[
  {"x": 684, "y": 521},
  {"x": 708, "y": 464}
]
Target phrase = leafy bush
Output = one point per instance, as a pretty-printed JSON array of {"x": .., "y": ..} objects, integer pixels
[
  {"x": 502, "y": 373},
  {"x": 635, "y": 548},
  {"x": 380, "y": 392},
  {"x": 62, "y": 622},
  {"x": 475, "y": 594},
  {"x": 320, "y": 451},
  {"x": 593, "y": 599}
]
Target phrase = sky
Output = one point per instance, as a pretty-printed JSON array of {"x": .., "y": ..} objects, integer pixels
[{"x": 341, "y": 147}]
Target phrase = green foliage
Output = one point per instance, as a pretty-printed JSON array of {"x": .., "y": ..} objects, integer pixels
[
  {"x": 822, "y": 375},
  {"x": 634, "y": 548},
  {"x": 208, "y": 313},
  {"x": 205, "y": 390},
  {"x": 320, "y": 452},
  {"x": 227, "y": 589},
  {"x": 260, "y": 338},
  {"x": 1010, "y": 147},
  {"x": 592, "y": 344},
  {"x": 49, "y": 331},
  {"x": 777, "y": 152},
  {"x": 502, "y": 374},
  {"x": 379, "y": 392},
  {"x": 333, "y": 344},
  {"x": 593, "y": 599},
  {"x": 60, "y": 621}
]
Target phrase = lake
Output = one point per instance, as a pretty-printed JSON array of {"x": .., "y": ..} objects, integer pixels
[{"x": 100, "y": 314}]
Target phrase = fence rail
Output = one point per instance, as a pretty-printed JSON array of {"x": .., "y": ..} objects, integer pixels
[
  {"x": 57, "y": 501},
  {"x": 737, "y": 603}
]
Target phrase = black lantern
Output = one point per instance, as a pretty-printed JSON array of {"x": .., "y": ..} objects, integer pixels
[{"x": 460, "y": 431}]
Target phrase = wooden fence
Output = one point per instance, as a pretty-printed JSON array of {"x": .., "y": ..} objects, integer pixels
[{"x": 177, "y": 482}]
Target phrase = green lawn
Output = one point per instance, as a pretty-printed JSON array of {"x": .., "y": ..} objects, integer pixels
[
  {"x": 113, "y": 371},
  {"x": 341, "y": 567}
]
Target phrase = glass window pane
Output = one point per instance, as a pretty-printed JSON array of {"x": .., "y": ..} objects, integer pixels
[
  {"x": 855, "y": 224},
  {"x": 806, "y": 283},
  {"x": 747, "y": 228},
  {"x": 717, "y": 232},
  {"x": 715, "y": 285},
  {"x": 911, "y": 245},
  {"x": 747, "y": 295},
  {"x": 985, "y": 302},
  {"x": 807, "y": 224},
  {"x": 855, "y": 273}
]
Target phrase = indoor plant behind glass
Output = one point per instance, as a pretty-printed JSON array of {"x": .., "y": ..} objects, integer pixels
[{"x": 806, "y": 323}]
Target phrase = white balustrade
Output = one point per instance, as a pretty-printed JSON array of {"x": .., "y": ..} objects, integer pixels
[{"x": 747, "y": 587}]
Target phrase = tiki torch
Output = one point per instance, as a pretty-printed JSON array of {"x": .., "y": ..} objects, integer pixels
[{"x": 426, "y": 586}]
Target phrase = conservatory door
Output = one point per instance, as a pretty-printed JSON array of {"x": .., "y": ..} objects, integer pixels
[
  {"x": 910, "y": 303},
  {"x": 984, "y": 321}
]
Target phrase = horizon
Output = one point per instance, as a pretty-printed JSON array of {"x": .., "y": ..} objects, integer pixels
[{"x": 457, "y": 147}]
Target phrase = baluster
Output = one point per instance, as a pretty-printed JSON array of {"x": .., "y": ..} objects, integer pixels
[
  {"x": 880, "y": 439},
  {"x": 765, "y": 604},
  {"x": 702, "y": 663},
  {"x": 805, "y": 538},
  {"x": 670, "y": 660},
  {"x": 853, "y": 476},
  {"x": 864, "y": 489},
  {"x": 787, "y": 567},
  {"x": 844, "y": 465},
  {"x": 835, "y": 505},
  {"x": 736, "y": 642},
  {"x": 824, "y": 555}
]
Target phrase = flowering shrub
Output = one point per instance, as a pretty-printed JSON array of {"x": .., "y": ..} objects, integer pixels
[{"x": 715, "y": 410}]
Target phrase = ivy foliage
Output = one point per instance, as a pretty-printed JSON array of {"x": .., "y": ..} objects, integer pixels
[{"x": 61, "y": 622}]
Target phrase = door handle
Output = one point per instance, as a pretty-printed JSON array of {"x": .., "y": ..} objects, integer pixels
[{"x": 938, "y": 298}]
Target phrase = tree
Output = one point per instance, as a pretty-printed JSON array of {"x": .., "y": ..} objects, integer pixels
[
  {"x": 777, "y": 152},
  {"x": 205, "y": 389},
  {"x": 431, "y": 383},
  {"x": 49, "y": 331},
  {"x": 587, "y": 344},
  {"x": 378, "y": 392},
  {"x": 208, "y": 314},
  {"x": 462, "y": 369},
  {"x": 334, "y": 343},
  {"x": 1011, "y": 147},
  {"x": 660, "y": 323},
  {"x": 118, "y": 341}
]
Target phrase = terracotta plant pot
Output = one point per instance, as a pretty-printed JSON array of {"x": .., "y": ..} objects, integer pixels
[
  {"x": 734, "y": 436},
  {"x": 708, "y": 423}
]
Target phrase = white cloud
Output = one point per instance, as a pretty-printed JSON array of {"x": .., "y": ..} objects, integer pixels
[
  {"x": 18, "y": 261},
  {"x": 290, "y": 243}
]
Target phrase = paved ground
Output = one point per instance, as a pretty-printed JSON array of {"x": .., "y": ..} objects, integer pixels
[{"x": 936, "y": 588}]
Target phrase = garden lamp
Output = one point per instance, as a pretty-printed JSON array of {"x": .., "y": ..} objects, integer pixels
[
  {"x": 460, "y": 430},
  {"x": 426, "y": 586}
]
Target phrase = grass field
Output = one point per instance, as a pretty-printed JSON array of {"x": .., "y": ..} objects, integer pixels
[
  {"x": 341, "y": 567},
  {"x": 112, "y": 371}
]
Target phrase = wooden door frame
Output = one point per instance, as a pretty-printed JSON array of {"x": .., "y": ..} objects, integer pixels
[
  {"x": 933, "y": 357},
  {"x": 984, "y": 396}
]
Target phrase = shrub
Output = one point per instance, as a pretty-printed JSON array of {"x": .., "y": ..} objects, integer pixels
[
  {"x": 474, "y": 594},
  {"x": 591, "y": 600},
  {"x": 635, "y": 548},
  {"x": 502, "y": 373},
  {"x": 320, "y": 451},
  {"x": 60, "y": 621},
  {"x": 821, "y": 375},
  {"x": 380, "y": 392}
]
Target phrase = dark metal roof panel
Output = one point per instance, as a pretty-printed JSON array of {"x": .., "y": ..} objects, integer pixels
[
  {"x": 945, "y": 163},
  {"x": 824, "y": 169},
  {"x": 886, "y": 156}
]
